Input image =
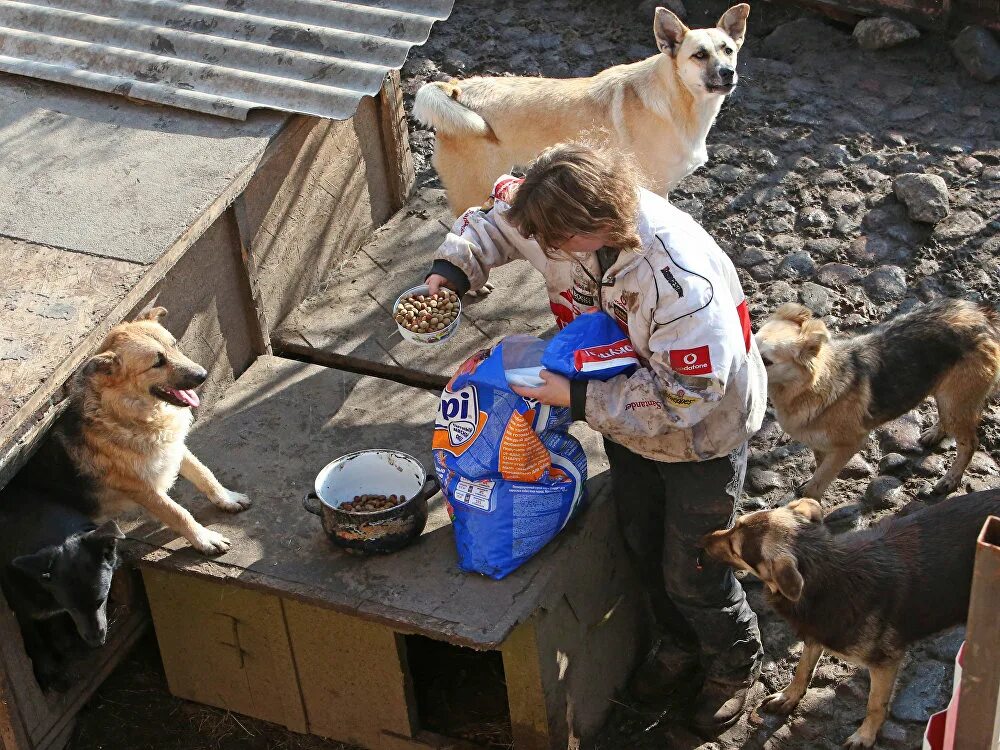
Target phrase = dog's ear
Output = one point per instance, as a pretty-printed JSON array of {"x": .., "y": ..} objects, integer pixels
[
  {"x": 734, "y": 22},
  {"x": 813, "y": 337},
  {"x": 793, "y": 312},
  {"x": 808, "y": 508},
  {"x": 155, "y": 314},
  {"x": 37, "y": 566},
  {"x": 669, "y": 31},
  {"x": 105, "y": 363},
  {"x": 787, "y": 579},
  {"x": 104, "y": 539}
]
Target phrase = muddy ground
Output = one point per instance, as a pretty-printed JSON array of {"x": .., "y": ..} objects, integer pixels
[{"x": 799, "y": 190}]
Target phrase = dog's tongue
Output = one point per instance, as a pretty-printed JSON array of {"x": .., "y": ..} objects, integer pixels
[{"x": 189, "y": 397}]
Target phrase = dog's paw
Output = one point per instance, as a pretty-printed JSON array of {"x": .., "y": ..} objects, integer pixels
[
  {"x": 486, "y": 289},
  {"x": 210, "y": 542},
  {"x": 945, "y": 486},
  {"x": 233, "y": 502},
  {"x": 858, "y": 740},
  {"x": 780, "y": 703}
]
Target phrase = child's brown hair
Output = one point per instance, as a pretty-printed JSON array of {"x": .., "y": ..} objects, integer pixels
[{"x": 575, "y": 188}]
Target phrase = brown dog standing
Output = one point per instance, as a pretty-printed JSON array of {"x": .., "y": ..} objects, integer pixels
[
  {"x": 864, "y": 596},
  {"x": 122, "y": 439},
  {"x": 830, "y": 393}
]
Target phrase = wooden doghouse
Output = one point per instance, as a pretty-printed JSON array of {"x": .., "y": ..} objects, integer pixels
[
  {"x": 288, "y": 628},
  {"x": 230, "y": 225}
]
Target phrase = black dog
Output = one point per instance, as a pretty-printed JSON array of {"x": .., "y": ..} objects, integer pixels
[
  {"x": 864, "y": 596},
  {"x": 54, "y": 563}
]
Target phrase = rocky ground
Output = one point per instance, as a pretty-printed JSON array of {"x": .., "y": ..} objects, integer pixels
[{"x": 801, "y": 191}]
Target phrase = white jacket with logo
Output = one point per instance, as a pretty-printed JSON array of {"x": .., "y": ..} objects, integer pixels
[{"x": 701, "y": 392}]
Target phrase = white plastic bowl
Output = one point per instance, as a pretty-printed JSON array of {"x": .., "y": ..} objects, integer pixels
[{"x": 434, "y": 337}]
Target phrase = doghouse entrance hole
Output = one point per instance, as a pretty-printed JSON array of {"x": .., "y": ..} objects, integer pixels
[{"x": 460, "y": 692}]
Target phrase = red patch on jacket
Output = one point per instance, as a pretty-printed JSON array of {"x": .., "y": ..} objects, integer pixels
[
  {"x": 696, "y": 361},
  {"x": 744, "y": 314},
  {"x": 504, "y": 189},
  {"x": 565, "y": 312}
]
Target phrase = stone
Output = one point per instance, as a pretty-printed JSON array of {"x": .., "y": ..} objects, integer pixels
[
  {"x": 882, "y": 33},
  {"x": 761, "y": 480},
  {"x": 883, "y": 492},
  {"x": 981, "y": 463},
  {"x": 830, "y": 177},
  {"x": 857, "y": 468},
  {"x": 766, "y": 159},
  {"x": 785, "y": 243},
  {"x": 931, "y": 465},
  {"x": 779, "y": 292},
  {"x": 925, "y": 692},
  {"x": 726, "y": 173},
  {"x": 945, "y": 646},
  {"x": 892, "y": 463},
  {"x": 837, "y": 274},
  {"x": 900, "y": 435},
  {"x": 925, "y": 196},
  {"x": 970, "y": 165},
  {"x": 841, "y": 200},
  {"x": 788, "y": 40},
  {"x": 816, "y": 298},
  {"x": 753, "y": 256},
  {"x": 958, "y": 225},
  {"x": 836, "y": 155},
  {"x": 825, "y": 246},
  {"x": 797, "y": 265},
  {"x": 691, "y": 206},
  {"x": 814, "y": 217},
  {"x": 885, "y": 284},
  {"x": 894, "y": 736},
  {"x": 978, "y": 52},
  {"x": 804, "y": 164},
  {"x": 753, "y": 239}
]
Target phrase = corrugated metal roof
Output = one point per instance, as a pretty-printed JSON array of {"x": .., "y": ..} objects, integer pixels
[{"x": 224, "y": 57}]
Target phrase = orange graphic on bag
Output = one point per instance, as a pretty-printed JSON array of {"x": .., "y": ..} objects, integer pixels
[{"x": 523, "y": 457}]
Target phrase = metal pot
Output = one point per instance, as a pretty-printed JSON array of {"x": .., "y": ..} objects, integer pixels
[{"x": 372, "y": 472}]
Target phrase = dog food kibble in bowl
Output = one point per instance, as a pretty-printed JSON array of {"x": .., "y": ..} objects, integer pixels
[
  {"x": 426, "y": 318},
  {"x": 372, "y": 503}
]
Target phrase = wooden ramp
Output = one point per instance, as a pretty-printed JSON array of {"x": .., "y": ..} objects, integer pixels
[
  {"x": 349, "y": 324},
  {"x": 287, "y": 627}
]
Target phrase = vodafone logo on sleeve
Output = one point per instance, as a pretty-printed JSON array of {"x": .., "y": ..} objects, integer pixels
[{"x": 696, "y": 361}]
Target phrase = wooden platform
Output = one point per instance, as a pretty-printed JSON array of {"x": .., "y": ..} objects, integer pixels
[
  {"x": 325, "y": 617},
  {"x": 349, "y": 322}
]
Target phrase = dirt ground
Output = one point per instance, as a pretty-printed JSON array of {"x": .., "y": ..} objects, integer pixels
[{"x": 799, "y": 191}]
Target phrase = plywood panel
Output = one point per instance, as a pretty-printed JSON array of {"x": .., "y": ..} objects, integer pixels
[
  {"x": 225, "y": 646},
  {"x": 352, "y": 675}
]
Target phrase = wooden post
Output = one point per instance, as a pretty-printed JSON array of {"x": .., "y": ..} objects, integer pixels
[
  {"x": 395, "y": 141},
  {"x": 978, "y": 723}
]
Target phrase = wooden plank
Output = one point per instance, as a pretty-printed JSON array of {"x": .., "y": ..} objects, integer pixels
[
  {"x": 350, "y": 319},
  {"x": 396, "y": 140},
  {"x": 526, "y": 693},
  {"x": 979, "y": 698},
  {"x": 15, "y": 425},
  {"x": 351, "y": 674},
  {"x": 226, "y": 647},
  {"x": 279, "y": 425},
  {"x": 251, "y": 282}
]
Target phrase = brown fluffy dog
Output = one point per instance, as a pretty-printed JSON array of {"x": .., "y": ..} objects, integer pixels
[
  {"x": 830, "y": 393},
  {"x": 659, "y": 109},
  {"x": 122, "y": 439},
  {"x": 864, "y": 596}
]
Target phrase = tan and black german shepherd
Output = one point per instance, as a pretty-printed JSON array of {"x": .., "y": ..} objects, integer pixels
[
  {"x": 659, "y": 109},
  {"x": 830, "y": 393},
  {"x": 122, "y": 439},
  {"x": 864, "y": 596}
]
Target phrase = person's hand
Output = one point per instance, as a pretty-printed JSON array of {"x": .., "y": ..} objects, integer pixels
[
  {"x": 555, "y": 392},
  {"x": 435, "y": 281}
]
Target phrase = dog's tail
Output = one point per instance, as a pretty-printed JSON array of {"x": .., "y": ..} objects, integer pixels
[{"x": 436, "y": 105}]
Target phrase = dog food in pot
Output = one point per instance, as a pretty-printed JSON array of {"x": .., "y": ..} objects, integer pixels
[
  {"x": 427, "y": 313},
  {"x": 372, "y": 503}
]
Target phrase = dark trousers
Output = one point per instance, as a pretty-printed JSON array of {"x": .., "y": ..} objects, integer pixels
[{"x": 663, "y": 510}]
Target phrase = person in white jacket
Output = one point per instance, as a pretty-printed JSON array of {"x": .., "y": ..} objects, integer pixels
[{"x": 676, "y": 430}]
